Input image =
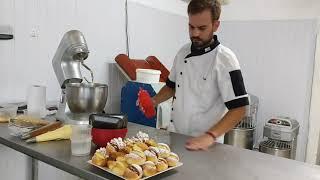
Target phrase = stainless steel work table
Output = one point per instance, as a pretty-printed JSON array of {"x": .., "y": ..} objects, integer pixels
[{"x": 222, "y": 162}]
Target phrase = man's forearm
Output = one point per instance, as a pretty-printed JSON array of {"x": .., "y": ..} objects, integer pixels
[
  {"x": 164, "y": 94},
  {"x": 229, "y": 121}
]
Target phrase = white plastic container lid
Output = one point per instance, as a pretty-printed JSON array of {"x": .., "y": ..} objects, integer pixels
[{"x": 149, "y": 71}]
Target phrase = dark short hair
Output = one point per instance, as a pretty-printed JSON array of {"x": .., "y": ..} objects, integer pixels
[{"x": 198, "y": 6}]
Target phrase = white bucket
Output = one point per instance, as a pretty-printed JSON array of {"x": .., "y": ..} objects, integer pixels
[{"x": 148, "y": 75}]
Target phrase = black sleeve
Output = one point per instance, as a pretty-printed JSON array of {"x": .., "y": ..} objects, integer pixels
[{"x": 170, "y": 84}]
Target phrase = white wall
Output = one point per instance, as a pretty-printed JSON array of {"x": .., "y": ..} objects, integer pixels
[
  {"x": 27, "y": 59},
  {"x": 173, "y": 6},
  {"x": 248, "y": 9},
  {"x": 270, "y": 9},
  {"x": 156, "y": 32}
]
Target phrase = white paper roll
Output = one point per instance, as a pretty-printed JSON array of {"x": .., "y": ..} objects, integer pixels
[{"x": 36, "y": 99}]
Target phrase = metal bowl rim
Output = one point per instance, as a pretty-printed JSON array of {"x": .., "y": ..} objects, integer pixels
[{"x": 89, "y": 85}]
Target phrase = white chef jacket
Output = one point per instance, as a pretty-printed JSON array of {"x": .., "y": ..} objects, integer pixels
[{"x": 207, "y": 83}]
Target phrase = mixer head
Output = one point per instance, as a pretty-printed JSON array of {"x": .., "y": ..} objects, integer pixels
[{"x": 71, "y": 52}]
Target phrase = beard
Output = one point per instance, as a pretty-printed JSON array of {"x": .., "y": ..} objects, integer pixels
[{"x": 200, "y": 43}]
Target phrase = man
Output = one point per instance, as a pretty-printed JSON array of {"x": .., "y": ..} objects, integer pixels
[{"x": 209, "y": 95}]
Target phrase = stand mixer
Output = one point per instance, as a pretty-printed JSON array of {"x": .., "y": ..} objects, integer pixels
[{"x": 78, "y": 100}]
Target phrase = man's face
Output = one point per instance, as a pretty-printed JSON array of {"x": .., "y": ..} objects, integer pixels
[{"x": 201, "y": 28}]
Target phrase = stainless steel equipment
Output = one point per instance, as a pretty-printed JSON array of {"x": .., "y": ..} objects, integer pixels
[
  {"x": 243, "y": 134},
  {"x": 78, "y": 100},
  {"x": 66, "y": 61},
  {"x": 91, "y": 73},
  {"x": 240, "y": 137},
  {"x": 281, "y": 134},
  {"x": 277, "y": 148},
  {"x": 86, "y": 98}
]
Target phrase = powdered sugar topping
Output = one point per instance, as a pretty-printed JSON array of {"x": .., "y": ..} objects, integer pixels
[
  {"x": 118, "y": 142},
  {"x": 142, "y": 136},
  {"x": 102, "y": 151}
]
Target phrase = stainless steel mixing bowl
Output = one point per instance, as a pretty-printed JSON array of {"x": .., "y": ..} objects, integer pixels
[{"x": 86, "y": 97}]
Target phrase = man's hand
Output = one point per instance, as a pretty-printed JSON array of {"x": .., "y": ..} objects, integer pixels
[{"x": 202, "y": 142}]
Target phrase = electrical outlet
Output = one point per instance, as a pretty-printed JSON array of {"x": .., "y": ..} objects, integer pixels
[{"x": 34, "y": 33}]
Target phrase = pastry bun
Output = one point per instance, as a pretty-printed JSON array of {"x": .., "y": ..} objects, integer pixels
[
  {"x": 151, "y": 142},
  {"x": 116, "y": 144},
  {"x": 151, "y": 156},
  {"x": 173, "y": 159},
  {"x": 136, "y": 157},
  {"x": 119, "y": 168},
  {"x": 164, "y": 146},
  {"x": 149, "y": 169},
  {"x": 121, "y": 159},
  {"x": 142, "y": 145},
  {"x": 162, "y": 164},
  {"x": 164, "y": 152},
  {"x": 100, "y": 157},
  {"x": 111, "y": 148},
  {"x": 126, "y": 149},
  {"x": 115, "y": 155},
  {"x": 133, "y": 172},
  {"x": 99, "y": 160},
  {"x": 135, "y": 147},
  {"x": 111, "y": 164}
]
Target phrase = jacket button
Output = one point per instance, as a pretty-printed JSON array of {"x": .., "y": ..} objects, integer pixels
[
  {"x": 178, "y": 85},
  {"x": 171, "y": 120},
  {"x": 185, "y": 61},
  {"x": 181, "y": 73},
  {"x": 172, "y": 109}
]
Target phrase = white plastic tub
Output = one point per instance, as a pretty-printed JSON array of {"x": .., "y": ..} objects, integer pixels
[{"x": 148, "y": 75}]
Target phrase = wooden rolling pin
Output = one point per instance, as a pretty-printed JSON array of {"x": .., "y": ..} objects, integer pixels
[{"x": 42, "y": 130}]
